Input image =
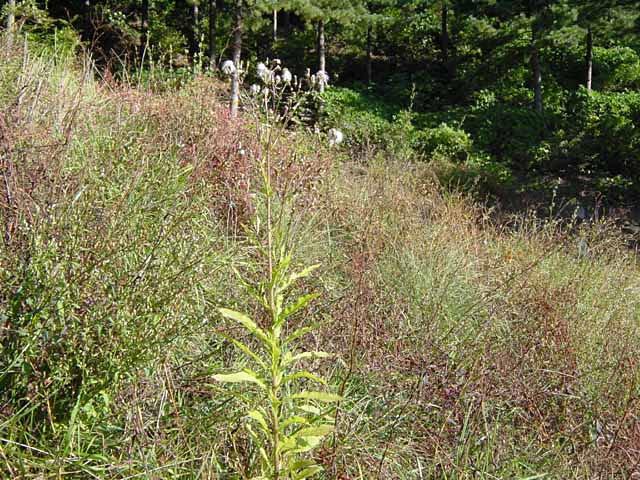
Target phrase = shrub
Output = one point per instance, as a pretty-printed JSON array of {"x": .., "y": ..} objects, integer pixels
[
  {"x": 364, "y": 121},
  {"x": 616, "y": 68},
  {"x": 604, "y": 131},
  {"x": 444, "y": 141}
]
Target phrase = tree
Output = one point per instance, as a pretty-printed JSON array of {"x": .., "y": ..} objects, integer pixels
[
  {"x": 589, "y": 59},
  {"x": 237, "y": 55},
  {"x": 195, "y": 27},
  {"x": 213, "y": 33},
  {"x": 322, "y": 12},
  {"x": 11, "y": 17},
  {"x": 145, "y": 27}
]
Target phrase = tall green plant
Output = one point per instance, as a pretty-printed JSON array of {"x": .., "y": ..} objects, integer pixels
[{"x": 286, "y": 418}]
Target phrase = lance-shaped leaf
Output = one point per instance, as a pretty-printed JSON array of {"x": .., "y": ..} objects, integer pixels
[
  {"x": 300, "y": 333},
  {"x": 247, "y": 323},
  {"x": 319, "y": 396},
  {"x": 308, "y": 408},
  {"x": 259, "y": 417},
  {"x": 294, "y": 277},
  {"x": 307, "y": 472},
  {"x": 296, "y": 444},
  {"x": 295, "y": 420},
  {"x": 304, "y": 375},
  {"x": 246, "y": 376},
  {"x": 289, "y": 359},
  {"x": 296, "y": 306},
  {"x": 244, "y": 348}
]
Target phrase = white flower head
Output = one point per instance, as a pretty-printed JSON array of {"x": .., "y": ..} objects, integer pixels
[
  {"x": 228, "y": 67},
  {"x": 286, "y": 75},
  {"x": 278, "y": 80},
  {"x": 255, "y": 89},
  {"x": 264, "y": 73},
  {"x": 336, "y": 137},
  {"x": 323, "y": 77}
]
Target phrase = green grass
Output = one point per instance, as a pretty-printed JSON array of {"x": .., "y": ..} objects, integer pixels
[{"x": 471, "y": 344}]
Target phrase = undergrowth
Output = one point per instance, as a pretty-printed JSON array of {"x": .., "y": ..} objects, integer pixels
[{"x": 468, "y": 344}]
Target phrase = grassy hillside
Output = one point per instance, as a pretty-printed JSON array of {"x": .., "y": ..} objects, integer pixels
[{"x": 470, "y": 343}]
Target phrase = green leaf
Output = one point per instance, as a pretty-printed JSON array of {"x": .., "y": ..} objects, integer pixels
[
  {"x": 259, "y": 417},
  {"x": 310, "y": 409},
  {"x": 246, "y": 376},
  {"x": 244, "y": 348},
  {"x": 294, "y": 420},
  {"x": 304, "y": 374},
  {"x": 298, "y": 444},
  {"x": 294, "y": 277},
  {"x": 296, "y": 306},
  {"x": 319, "y": 396},
  {"x": 247, "y": 323},
  {"x": 317, "y": 431},
  {"x": 289, "y": 359},
  {"x": 308, "y": 472},
  {"x": 300, "y": 333}
]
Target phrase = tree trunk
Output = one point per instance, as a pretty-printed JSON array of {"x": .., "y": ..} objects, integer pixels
[
  {"x": 274, "y": 32},
  {"x": 213, "y": 34},
  {"x": 10, "y": 22},
  {"x": 195, "y": 41},
  {"x": 444, "y": 34},
  {"x": 589, "y": 59},
  {"x": 11, "y": 18},
  {"x": 145, "y": 28},
  {"x": 237, "y": 52},
  {"x": 536, "y": 70},
  {"x": 322, "y": 59},
  {"x": 369, "y": 54}
]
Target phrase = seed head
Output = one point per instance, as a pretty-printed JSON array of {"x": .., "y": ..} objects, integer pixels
[
  {"x": 336, "y": 137},
  {"x": 286, "y": 75},
  {"x": 228, "y": 67}
]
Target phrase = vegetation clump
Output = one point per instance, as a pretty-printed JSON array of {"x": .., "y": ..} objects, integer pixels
[{"x": 185, "y": 238}]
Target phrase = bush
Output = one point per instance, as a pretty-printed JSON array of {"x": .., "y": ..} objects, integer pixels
[
  {"x": 510, "y": 134},
  {"x": 364, "y": 120},
  {"x": 616, "y": 68},
  {"x": 444, "y": 141},
  {"x": 604, "y": 132}
]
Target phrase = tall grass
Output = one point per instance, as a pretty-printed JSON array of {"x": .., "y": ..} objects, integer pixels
[{"x": 469, "y": 345}]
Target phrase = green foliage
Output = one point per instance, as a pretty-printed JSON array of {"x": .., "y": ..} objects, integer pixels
[
  {"x": 604, "y": 131},
  {"x": 617, "y": 68},
  {"x": 285, "y": 417},
  {"x": 364, "y": 119},
  {"x": 444, "y": 141}
]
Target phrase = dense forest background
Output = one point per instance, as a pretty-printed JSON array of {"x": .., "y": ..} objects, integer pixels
[{"x": 504, "y": 88}]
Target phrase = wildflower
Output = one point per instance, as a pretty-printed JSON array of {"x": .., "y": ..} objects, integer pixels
[
  {"x": 264, "y": 73},
  {"x": 286, "y": 75},
  {"x": 228, "y": 67},
  {"x": 254, "y": 89},
  {"x": 336, "y": 137},
  {"x": 323, "y": 77},
  {"x": 278, "y": 80}
]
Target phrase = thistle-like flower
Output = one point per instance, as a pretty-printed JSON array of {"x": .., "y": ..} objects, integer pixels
[
  {"x": 228, "y": 67},
  {"x": 264, "y": 73},
  {"x": 255, "y": 89},
  {"x": 322, "y": 77},
  {"x": 336, "y": 137},
  {"x": 286, "y": 75}
]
